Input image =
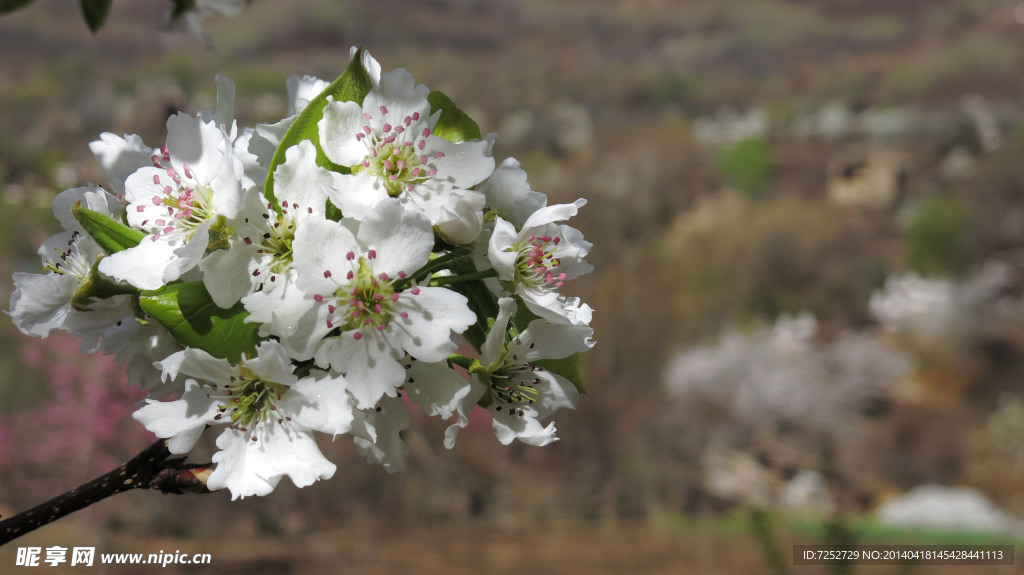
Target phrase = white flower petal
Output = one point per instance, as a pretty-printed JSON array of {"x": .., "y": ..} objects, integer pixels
[
  {"x": 464, "y": 164},
  {"x": 182, "y": 420},
  {"x": 556, "y": 393},
  {"x": 40, "y": 303},
  {"x": 465, "y": 406},
  {"x": 199, "y": 364},
  {"x": 399, "y": 94},
  {"x": 370, "y": 365},
  {"x": 266, "y": 138},
  {"x": 321, "y": 404},
  {"x": 491, "y": 350},
  {"x": 224, "y": 115},
  {"x": 508, "y": 192},
  {"x": 226, "y": 273},
  {"x": 436, "y": 388},
  {"x": 272, "y": 363},
  {"x": 380, "y": 438},
  {"x": 502, "y": 258},
  {"x": 290, "y": 314},
  {"x": 433, "y": 315},
  {"x": 248, "y": 467},
  {"x": 320, "y": 248},
  {"x": 338, "y": 128},
  {"x": 509, "y": 427},
  {"x": 401, "y": 238},
  {"x": 300, "y": 181},
  {"x": 120, "y": 157},
  {"x": 357, "y": 194},
  {"x": 555, "y": 213},
  {"x": 301, "y": 92},
  {"x": 148, "y": 265},
  {"x": 199, "y": 144},
  {"x": 555, "y": 307},
  {"x": 466, "y": 217}
]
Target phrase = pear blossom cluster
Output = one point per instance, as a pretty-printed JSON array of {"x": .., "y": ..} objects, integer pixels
[{"x": 360, "y": 260}]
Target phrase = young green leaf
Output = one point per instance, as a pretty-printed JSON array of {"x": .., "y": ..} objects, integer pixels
[
  {"x": 187, "y": 311},
  {"x": 95, "y": 12},
  {"x": 110, "y": 234},
  {"x": 453, "y": 125},
  {"x": 570, "y": 368},
  {"x": 352, "y": 86}
]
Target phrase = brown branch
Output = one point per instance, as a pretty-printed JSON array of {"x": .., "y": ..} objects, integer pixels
[{"x": 151, "y": 469}]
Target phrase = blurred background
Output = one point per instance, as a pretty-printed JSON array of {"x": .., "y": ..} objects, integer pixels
[{"x": 808, "y": 219}]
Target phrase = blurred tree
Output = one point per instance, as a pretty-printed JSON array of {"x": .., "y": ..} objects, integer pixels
[
  {"x": 746, "y": 165},
  {"x": 936, "y": 238}
]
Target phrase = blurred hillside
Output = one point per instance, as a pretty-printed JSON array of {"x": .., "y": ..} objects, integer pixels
[{"x": 808, "y": 220}]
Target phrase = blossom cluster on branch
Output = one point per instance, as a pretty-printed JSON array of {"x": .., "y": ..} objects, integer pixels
[{"x": 319, "y": 274}]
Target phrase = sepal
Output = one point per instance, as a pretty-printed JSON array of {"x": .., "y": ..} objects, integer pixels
[{"x": 98, "y": 287}]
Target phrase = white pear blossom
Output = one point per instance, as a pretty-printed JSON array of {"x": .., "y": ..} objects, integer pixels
[
  {"x": 519, "y": 392},
  {"x": 363, "y": 321},
  {"x": 508, "y": 193},
  {"x": 258, "y": 260},
  {"x": 195, "y": 182},
  {"x": 540, "y": 258},
  {"x": 361, "y": 274},
  {"x": 389, "y": 146},
  {"x": 269, "y": 415},
  {"x": 41, "y": 303},
  {"x": 190, "y": 14}
]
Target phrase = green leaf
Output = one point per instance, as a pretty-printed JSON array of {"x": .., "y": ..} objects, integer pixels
[
  {"x": 453, "y": 125},
  {"x": 98, "y": 287},
  {"x": 12, "y": 5},
  {"x": 570, "y": 368},
  {"x": 352, "y": 86},
  {"x": 332, "y": 212},
  {"x": 187, "y": 311},
  {"x": 110, "y": 234},
  {"x": 95, "y": 12}
]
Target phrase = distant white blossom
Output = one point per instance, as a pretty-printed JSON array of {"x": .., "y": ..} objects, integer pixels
[{"x": 914, "y": 304}]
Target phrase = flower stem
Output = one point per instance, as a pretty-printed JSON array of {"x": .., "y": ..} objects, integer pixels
[
  {"x": 434, "y": 265},
  {"x": 150, "y": 469},
  {"x": 483, "y": 274},
  {"x": 459, "y": 360}
]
